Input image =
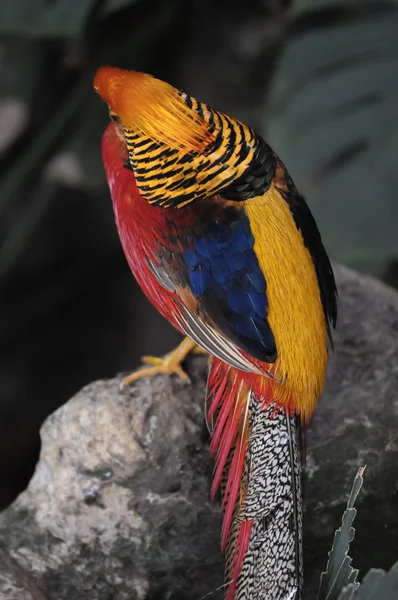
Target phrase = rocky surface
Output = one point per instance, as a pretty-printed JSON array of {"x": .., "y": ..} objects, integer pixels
[
  {"x": 119, "y": 506},
  {"x": 355, "y": 424},
  {"x": 119, "y": 503}
]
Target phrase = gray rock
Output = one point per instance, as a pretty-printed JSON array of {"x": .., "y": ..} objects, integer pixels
[
  {"x": 356, "y": 424},
  {"x": 119, "y": 506}
]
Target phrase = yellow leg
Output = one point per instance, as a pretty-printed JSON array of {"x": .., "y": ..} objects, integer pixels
[
  {"x": 170, "y": 364},
  {"x": 198, "y": 350}
]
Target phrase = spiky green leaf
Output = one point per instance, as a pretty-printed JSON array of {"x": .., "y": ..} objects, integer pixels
[{"x": 339, "y": 572}]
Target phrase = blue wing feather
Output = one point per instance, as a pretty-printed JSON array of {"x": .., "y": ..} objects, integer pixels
[{"x": 226, "y": 279}]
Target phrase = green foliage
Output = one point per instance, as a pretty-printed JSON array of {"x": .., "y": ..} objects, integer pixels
[
  {"x": 376, "y": 585},
  {"x": 303, "y": 6},
  {"x": 51, "y": 19},
  {"x": 50, "y": 50},
  {"x": 334, "y": 122},
  {"x": 339, "y": 572},
  {"x": 339, "y": 581},
  {"x": 333, "y": 99},
  {"x": 112, "y": 6},
  {"x": 38, "y": 18}
]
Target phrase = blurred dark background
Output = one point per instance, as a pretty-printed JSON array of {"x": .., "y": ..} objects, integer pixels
[{"x": 318, "y": 78}]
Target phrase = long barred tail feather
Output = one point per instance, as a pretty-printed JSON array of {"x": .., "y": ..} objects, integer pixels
[
  {"x": 272, "y": 568},
  {"x": 259, "y": 470}
]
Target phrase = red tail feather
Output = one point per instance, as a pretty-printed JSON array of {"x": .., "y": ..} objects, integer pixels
[
  {"x": 230, "y": 391},
  {"x": 230, "y": 435},
  {"x": 240, "y": 553}
]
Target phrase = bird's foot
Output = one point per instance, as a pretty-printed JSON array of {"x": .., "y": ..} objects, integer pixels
[{"x": 170, "y": 364}]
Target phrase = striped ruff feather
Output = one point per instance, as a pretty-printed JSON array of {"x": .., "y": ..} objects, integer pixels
[
  {"x": 258, "y": 469},
  {"x": 177, "y": 176}
]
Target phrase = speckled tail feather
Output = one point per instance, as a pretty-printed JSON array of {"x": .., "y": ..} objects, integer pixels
[{"x": 263, "y": 536}]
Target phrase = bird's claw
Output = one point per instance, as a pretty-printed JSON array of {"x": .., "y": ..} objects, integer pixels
[{"x": 168, "y": 365}]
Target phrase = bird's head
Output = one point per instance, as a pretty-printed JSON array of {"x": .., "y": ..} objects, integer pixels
[
  {"x": 179, "y": 149},
  {"x": 145, "y": 105}
]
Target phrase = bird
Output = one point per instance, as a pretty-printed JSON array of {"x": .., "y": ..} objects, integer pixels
[{"x": 227, "y": 250}]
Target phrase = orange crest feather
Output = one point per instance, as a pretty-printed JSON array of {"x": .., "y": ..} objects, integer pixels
[{"x": 152, "y": 107}]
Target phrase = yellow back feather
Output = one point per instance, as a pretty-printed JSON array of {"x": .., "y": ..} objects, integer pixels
[{"x": 295, "y": 311}]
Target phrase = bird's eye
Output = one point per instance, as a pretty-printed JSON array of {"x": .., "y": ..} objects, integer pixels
[{"x": 114, "y": 117}]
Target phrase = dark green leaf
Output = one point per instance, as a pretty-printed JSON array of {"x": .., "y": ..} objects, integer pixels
[
  {"x": 303, "y": 6},
  {"x": 111, "y": 6},
  {"x": 334, "y": 123},
  {"x": 39, "y": 18},
  {"x": 64, "y": 18}
]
